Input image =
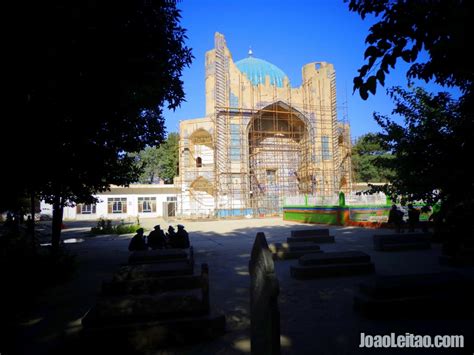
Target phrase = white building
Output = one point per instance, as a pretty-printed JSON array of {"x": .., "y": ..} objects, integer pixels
[{"x": 144, "y": 201}]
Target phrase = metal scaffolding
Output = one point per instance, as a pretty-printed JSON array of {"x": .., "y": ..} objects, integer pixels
[
  {"x": 254, "y": 158},
  {"x": 242, "y": 161}
]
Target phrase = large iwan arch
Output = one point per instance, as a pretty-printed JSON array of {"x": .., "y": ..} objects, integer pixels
[{"x": 278, "y": 156}]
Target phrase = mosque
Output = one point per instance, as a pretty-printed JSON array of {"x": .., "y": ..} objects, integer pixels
[{"x": 261, "y": 140}]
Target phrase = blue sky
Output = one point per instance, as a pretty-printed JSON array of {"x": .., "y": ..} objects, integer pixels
[{"x": 288, "y": 34}]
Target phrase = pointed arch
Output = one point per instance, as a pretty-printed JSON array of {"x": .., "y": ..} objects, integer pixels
[
  {"x": 201, "y": 137},
  {"x": 202, "y": 184}
]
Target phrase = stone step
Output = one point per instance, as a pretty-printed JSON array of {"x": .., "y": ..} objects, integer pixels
[
  {"x": 274, "y": 247},
  {"x": 310, "y": 232},
  {"x": 403, "y": 246},
  {"x": 146, "y": 307},
  {"x": 151, "y": 285},
  {"x": 393, "y": 286},
  {"x": 143, "y": 271},
  {"x": 404, "y": 236},
  {"x": 438, "y": 306},
  {"x": 286, "y": 255},
  {"x": 456, "y": 260},
  {"x": 344, "y": 257},
  {"x": 308, "y": 272},
  {"x": 143, "y": 337},
  {"x": 314, "y": 239},
  {"x": 415, "y": 295},
  {"x": 402, "y": 241},
  {"x": 145, "y": 256}
]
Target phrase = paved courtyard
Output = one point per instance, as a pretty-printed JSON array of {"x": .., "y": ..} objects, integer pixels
[{"x": 316, "y": 315}]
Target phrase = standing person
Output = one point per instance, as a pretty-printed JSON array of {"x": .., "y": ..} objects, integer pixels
[
  {"x": 138, "y": 241},
  {"x": 156, "y": 238},
  {"x": 413, "y": 218}
]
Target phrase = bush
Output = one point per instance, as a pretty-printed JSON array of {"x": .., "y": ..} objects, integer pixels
[
  {"x": 126, "y": 228},
  {"x": 104, "y": 226}
]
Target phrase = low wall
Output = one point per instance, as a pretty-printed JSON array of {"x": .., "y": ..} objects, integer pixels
[
  {"x": 307, "y": 214},
  {"x": 360, "y": 216}
]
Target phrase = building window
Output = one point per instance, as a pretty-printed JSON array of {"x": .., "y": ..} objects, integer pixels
[
  {"x": 271, "y": 177},
  {"x": 326, "y": 153},
  {"x": 82, "y": 208},
  {"x": 198, "y": 162},
  {"x": 233, "y": 100},
  {"x": 117, "y": 205},
  {"x": 171, "y": 199},
  {"x": 146, "y": 204},
  {"x": 235, "y": 145}
]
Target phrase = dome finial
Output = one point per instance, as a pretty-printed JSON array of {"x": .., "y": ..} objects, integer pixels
[{"x": 250, "y": 51}]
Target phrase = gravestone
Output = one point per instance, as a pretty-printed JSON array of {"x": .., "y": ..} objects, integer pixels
[
  {"x": 310, "y": 235},
  {"x": 310, "y": 232},
  {"x": 283, "y": 251},
  {"x": 435, "y": 295},
  {"x": 170, "y": 310},
  {"x": 143, "y": 271},
  {"x": 332, "y": 264},
  {"x": 157, "y": 284},
  {"x": 264, "y": 291},
  {"x": 160, "y": 255},
  {"x": 396, "y": 242}
]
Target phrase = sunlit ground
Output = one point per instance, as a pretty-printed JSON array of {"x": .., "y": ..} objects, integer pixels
[{"x": 317, "y": 316}]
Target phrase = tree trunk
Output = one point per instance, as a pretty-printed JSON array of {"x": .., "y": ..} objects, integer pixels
[
  {"x": 57, "y": 223},
  {"x": 33, "y": 210}
]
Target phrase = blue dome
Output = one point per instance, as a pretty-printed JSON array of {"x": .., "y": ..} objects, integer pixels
[{"x": 257, "y": 69}]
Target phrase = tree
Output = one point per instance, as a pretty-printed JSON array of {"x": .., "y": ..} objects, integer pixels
[
  {"x": 90, "y": 81},
  {"x": 368, "y": 159},
  {"x": 169, "y": 158},
  {"x": 425, "y": 147},
  {"x": 408, "y": 27},
  {"x": 147, "y": 161},
  {"x": 159, "y": 161},
  {"x": 434, "y": 146}
]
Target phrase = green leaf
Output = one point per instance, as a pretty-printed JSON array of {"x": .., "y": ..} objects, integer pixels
[
  {"x": 372, "y": 84},
  {"x": 381, "y": 77}
]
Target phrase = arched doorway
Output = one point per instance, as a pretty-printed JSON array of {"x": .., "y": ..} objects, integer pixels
[{"x": 278, "y": 157}]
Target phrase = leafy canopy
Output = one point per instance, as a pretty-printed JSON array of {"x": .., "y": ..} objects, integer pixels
[
  {"x": 426, "y": 148},
  {"x": 406, "y": 28},
  {"x": 435, "y": 145},
  {"x": 90, "y": 81},
  {"x": 368, "y": 159},
  {"x": 159, "y": 162}
]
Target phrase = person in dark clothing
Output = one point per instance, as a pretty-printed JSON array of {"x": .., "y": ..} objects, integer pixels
[
  {"x": 157, "y": 239},
  {"x": 413, "y": 218},
  {"x": 138, "y": 241},
  {"x": 395, "y": 218},
  {"x": 170, "y": 235},
  {"x": 180, "y": 238}
]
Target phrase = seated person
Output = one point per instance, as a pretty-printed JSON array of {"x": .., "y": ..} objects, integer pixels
[
  {"x": 395, "y": 218},
  {"x": 180, "y": 239},
  {"x": 156, "y": 238},
  {"x": 169, "y": 235},
  {"x": 138, "y": 241},
  {"x": 413, "y": 218}
]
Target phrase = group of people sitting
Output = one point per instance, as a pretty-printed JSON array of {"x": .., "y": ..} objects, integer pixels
[
  {"x": 157, "y": 239},
  {"x": 395, "y": 218}
]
